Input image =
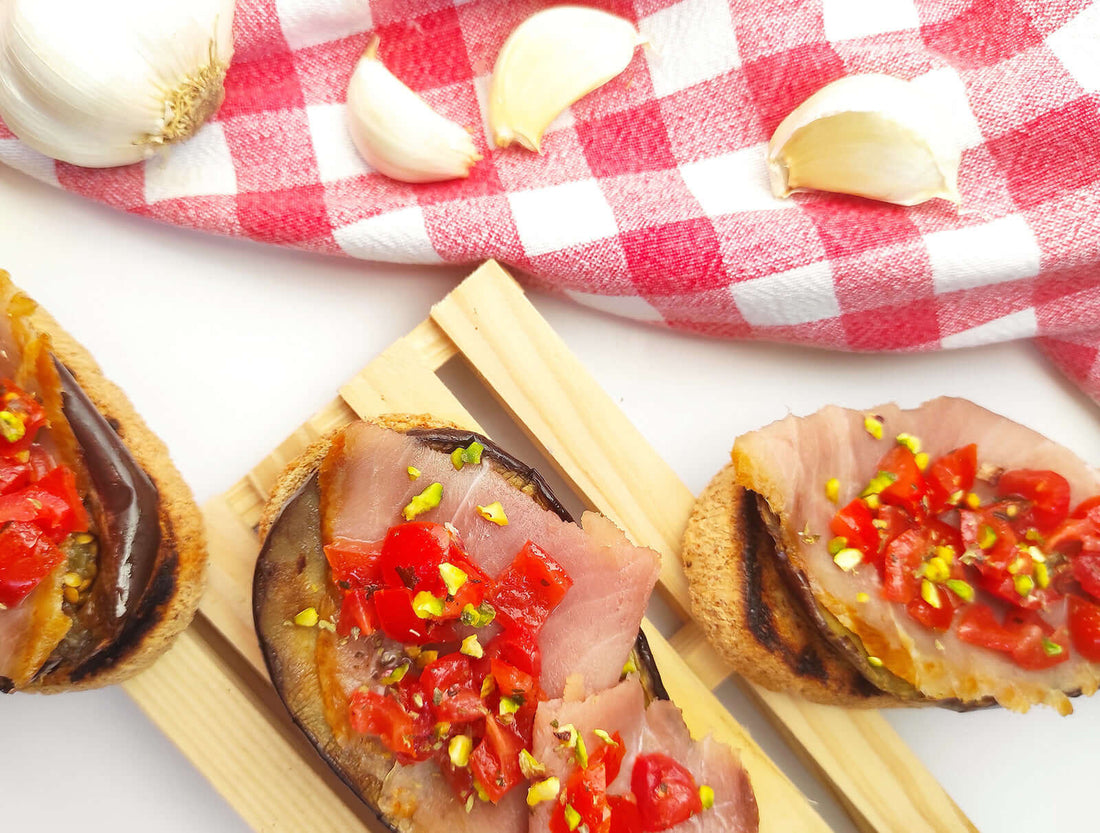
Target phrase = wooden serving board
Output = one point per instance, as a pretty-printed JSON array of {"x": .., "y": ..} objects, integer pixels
[{"x": 212, "y": 686}]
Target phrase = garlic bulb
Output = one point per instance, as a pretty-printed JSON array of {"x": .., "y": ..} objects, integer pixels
[
  {"x": 870, "y": 135},
  {"x": 552, "y": 59},
  {"x": 398, "y": 133},
  {"x": 109, "y": 82}
]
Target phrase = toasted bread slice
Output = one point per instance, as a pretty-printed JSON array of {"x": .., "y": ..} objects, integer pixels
[{"x": 743, "y": 605}]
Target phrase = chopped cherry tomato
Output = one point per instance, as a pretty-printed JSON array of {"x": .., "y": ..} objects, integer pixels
[
  {"x": 25, "y": 407},
  {"x": 624, "y": 814},
  {"x": 1046, "y": 492},
  {"x": 411, "y": 555},
  {"x": 26, "y": 557},
  {"x": 1003, "y": 586},
  {"x": 529, "y": 589},
  {"x": 979, "y": 626},
  {"x": 1084, "y": 627},
  {"x": 67, "y": 512},
  {"x": 356, "y": 612},
  {"x": 472, "y": 591},
  {"x": 1086, "y": 569},
  {"x": 354, "y": 563},
  {"x": 1031, "y": 642},
  {"x": 855, "y": 524},
  {"x": 666, "y": 792},
  {"x": 943, "y": 534},
  {"x": 985, "y": 531},
  {"x": 518, "y": 649},
  {"x": 398, "y": 620},
  {"x": 384, "y": 718},
  {"x": 609, "y": 756},
  {"x": 935, "y": 618},
  {"x": 495, "y": 761},
  {"x": 516, "y": 684},
  {"x": 460, "y": 779},
  {"x": 908, "y": 489},
  {"x": 13, "y": 476},
  {"x": 1085, "y": 507},
  {"x": 902, "y": 561},
  {"x": 949, "y": 475}
]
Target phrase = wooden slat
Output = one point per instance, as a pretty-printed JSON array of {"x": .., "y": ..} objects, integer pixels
[{"x": 548, "y": 391}]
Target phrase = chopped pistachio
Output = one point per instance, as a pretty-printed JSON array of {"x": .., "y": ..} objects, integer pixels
[
  {"x": 862, "y": 597},
  {"x": 307, "y": 618},
  {"x": 946, "y": 552},
  {"x": 414, "y": 472},
  {"x": 909, "y": 441},
  {"x": 936, "y": 569},
  {"x": 428, "y": 499},
  {"x": 973, "y": 501},
  {"x": 880, "y": 523},
  {"x": 930, "y": 593},
  {"x": 879, "y": 482},
  {"x": 873, "y": 502},
  {"x": 567, "y": 734},
  {"x": 471, "y": 454},
  {"x": 530, "y": 766},
  {"x": 1034, "y": 535},
  {"x": 459, "y": 749},
  {"x": 488, "y": 686},
  {"x": 509, "y": 705},
  {"x": 452, "y": 576},
  {"x": 470, "y": 803},
  {"x": 1018, "y": 563},
  {"x": 837, "y": 544},
  {"x": 581, "y": 753},
  {"x": 426, "y": 658},
  {"x": 471, "y": 647},
  {"x": 604, "y": 736},
  {"x": 706, "y": 796},
  {"x": 1037, "y": 554},
  {"x": 955, "y": 498},
  {"x": 546, "y": 790},
  {"x": 1023, "y": 584},
  {"x": 832, "y": 489},
  {"x": 425, "y": 605},
  {"x": 493, "y": 513},
  {"x": 11, "y": 426},
  {"x": 1042, "y": 575},
  {"x": 848, "y": 559},
  {"x": 922, "y": 459},
  {"x": 326, "y": 625},
  {"x": 629, "y": 667},
  {"x": 873, "y": 426},
  {"x": 572, "y": 817},
  {"x": 480, "y": 790},
  {"x": 396, "y": 675},
  {"x": 987, "y": 537},
  {"x": 1051, "y": 648},
  {"x": 442, "y": 728},
  {"x": 478, "y": 617},
  {"x": 961, "y": 589},
  {"x": 875, "y": 661}
]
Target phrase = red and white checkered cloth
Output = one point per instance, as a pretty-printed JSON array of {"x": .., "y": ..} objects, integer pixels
[{"x": 650, "y": 199}]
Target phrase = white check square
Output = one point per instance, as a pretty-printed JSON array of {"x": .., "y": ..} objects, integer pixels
[
  {"x": 16, "y": 154},
  {"x": 200, "y": 167},
  {"x": 996, "y": 252},
  {"x": 394, "y": 237},
  {"x": 689, "y": 42},
  {"x": 847, "y": 19},
  {"x": 1077, "y": 46},
  {"x": 797, "y": 296},
  {"x": 337, "y": 157},
  {"x": 733, "y": 182},
  {"x": 946, "y": 88},
  {"x": 1019, "y": 324},
  {"x": 310, "y": 22},
  {"x": 554, "y": 218},
  {"x": 623, "y": 306}
]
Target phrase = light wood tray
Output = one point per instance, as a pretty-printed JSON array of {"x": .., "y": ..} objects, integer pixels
[{"x": 210, "y": 693}]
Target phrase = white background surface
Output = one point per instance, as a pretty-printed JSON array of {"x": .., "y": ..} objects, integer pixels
[{"x": 225, "y": 347}]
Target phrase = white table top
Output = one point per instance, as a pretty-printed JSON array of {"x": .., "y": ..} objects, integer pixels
[{"x": 256, "y": 338}]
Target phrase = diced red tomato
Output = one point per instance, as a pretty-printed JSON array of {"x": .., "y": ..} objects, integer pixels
[
  {"x": 460, "y": 779},
  {"x": 529, "y": 589},
  {"x": 472, "y": 591},
  {"x": 518, "y": 649},
  {"x": 1086, "y": 506},
  {"x": 908, "y": 489},
  {"x": 978, "y": 626},
  {"x": 1032, "y": 643},
  {"x": 26, "y": 557},
  {"x": 624, "y": 814},
  {"x": 984, "y": 526},
  {"x": 495, "y": 761},
  {"x": 1086, "y": 569},
  {"x": 855, "y": 524},
  {"x": 13, "y": 475},
  {"x": 1084, "y": 627},
  {"x": 1046, "y": 492},
  {"x": 398, "y": 620},
  {"x": 411, "y": 555},
  {"x": 356, "y": 612},
  {"x": 609, "y": 756},
  {"x": 950, "y": 474},
  {"x": 354, "y": 563},
  {"x": 902, "y": 560},
  {"x": 384, "y": 718},
  {"x": 941, "y": 533},
  {"x": 514, "y": 683},
  {"x": 24, "y": 406},
  {"x": 665, "y": 791},
  {"x": 1003, "y": 586},
  {"x": 934, "y": 618}
]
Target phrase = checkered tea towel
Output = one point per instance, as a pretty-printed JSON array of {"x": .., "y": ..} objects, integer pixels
[{"x": 650, "y": 199}]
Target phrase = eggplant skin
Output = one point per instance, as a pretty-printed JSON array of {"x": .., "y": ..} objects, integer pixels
[{"x": 292, "y": 574}]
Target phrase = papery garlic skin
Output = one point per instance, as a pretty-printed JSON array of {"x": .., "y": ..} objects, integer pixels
[
  {"x": 551, "y": 60},
  {"x": 109, "y": 82},
  {"x": 873, "y": 136},
  {"x": 398, "y": 133}
]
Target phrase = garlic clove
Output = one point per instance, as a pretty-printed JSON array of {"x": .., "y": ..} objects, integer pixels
[
  {"x": 398, "y": 133},
  {"x": 108, "y": 83},
  {"x": 873, "y": 136},
  {"x": 551, "y": 60}
]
